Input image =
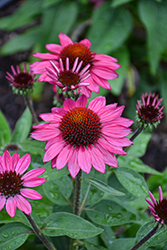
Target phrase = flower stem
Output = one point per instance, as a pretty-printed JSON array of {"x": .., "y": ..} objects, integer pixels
[
  {"x": 77, "y": 193},
  {"x": 29, "y": 104},
  {"x": 76, "y": 211},
  {"x": 145, "y": 238},
  {"x": 138, "y": 130},
  {"x": 38, "y": 233}
]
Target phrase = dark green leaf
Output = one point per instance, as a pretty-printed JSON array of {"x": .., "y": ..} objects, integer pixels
[
  {"x": 62, "y": 223},
  {"x": 122, "y": 55},
  {"x": 108, "y": 236},
  {"x": 22, "y": 127},
  {"x": 132, "y": 181},
  {"x": 13, "y": 235},
  {"x": 58, "y": 190},
  {"x": 109, "y": 213},
  {"x": 116, "y": 3},
  {"x": 93, "y": 247},
  {"x": 104, "y": 187},
  {"x": 122, "y": 244},
  {"x": 51, "y": 174},
  {"x": 33, "y": 146},
  {"x": 5, "y": 133},
  {"x": 155, "y": 24},
  {"x": 103, "y": 33}
]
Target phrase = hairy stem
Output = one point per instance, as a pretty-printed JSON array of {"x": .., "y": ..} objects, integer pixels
[
  {"x": 145, "y": 238},
  {"x": 38, "y": 233},
  {"x": 29, "y": 104}
]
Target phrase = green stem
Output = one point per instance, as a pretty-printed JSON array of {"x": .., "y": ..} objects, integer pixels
[
  {"x": 77, "y": 194},
  {"x": 29, "y": 104},
  {"x": 145, "y": 238},
  {"x": 39, "y": 233}
]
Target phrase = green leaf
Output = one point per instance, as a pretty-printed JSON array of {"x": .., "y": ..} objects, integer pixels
[
  {"x": 155, "y": 24},
  {"x": 116, "y": 3},
  {"x": 51, "y": 174},
  {"x": 122, "y": 54},
  {"x": 25, "y": 14},
  {"x": 33, "y": 146},
  {"x": 21, "y": 42},
  {"x": 109, "y": 213},
  {"x": 122, "y": 244},
  {"x": 136, "y": 164},
  {"x": 103, "y": 33},
  {"x": 62, "y": 223},
  {"x": 13, "y": 235},
  {"x": 5, "y": 133},
  {"x": 104, "y": 187},
  {"x": 139, "y": 146},
  {"x": 22, "y": 127},
  {"x": 48, "y": 3},
  {"x": 132, "y": 181},
  {"x": 93, "y": 247},
  {"x": 107, "y": 236},
  {"x": 59, "y": 190}
]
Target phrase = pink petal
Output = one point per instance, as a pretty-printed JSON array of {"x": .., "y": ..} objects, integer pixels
[
  {"x": 106, "y": 58},
  {"x": 30, "y": 194},
  {"x": 23, "y": 204},
  {"x": 64, "y": 157},
  {"x": 84, "y": 159},
  {"x": 53, "y": 150},
  {"x": 15, "y": 159},
  {"x": 97, "y": 103},
  {"x": 2, "y": 201},
  {"x": 11, "y": 206},
  {"x": 59, "y": 112},
  {"x": 149, "y": 202},
  {"x": 33, "y": 173},
  {"x": 160, "y": 194},
  {"x": 34, "y": 182},
  {"x": 102, "y": 82},
  {"x": 23, "y": 164},
  {"x": 93, "y": 86},
  {"x": 152, "y": 198},
  {"x": 48, "y": 56},
  {"x": 7, "y": 161},
  {"x": 86, "y": 42},
  {"x": 105, "y": 73},
  {"x": 40, "y": 67},
  {"x": 112, "y": 113},
  {"x": 73, "y": 165},
  {"x": 111, "y": 148},
  {"x": 97, "y": 159},
  {"x": 55, "y": 48},
  {"x": 49, "y": 117},
  {"x": 85, "y": 91},
  {"x": 64, "y": 39},
  {"x": 81, "y": 101},
  {"x": 116, "y": 131},
  {"x": 109, "y": 158},
  {"x": 45, "y": 134},
  {"x": 120, "y": 142},
  {"x": 123, "y": 121},
  {"x": 152, "y": 209},
  {"x": 69, "y": 104}
]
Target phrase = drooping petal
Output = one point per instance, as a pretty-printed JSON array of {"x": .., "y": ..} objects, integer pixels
[
  {"x": 23, "y": 204},
  {"x": 2, "y": 201},
  {"x": 64, "y": 157},
  {"x": 30, "y": 194},
  {"x": 97, "y": 159},
  {"x": 73, "y": 165},
  {"x": 11, "y": 206},
  {"x": 33, "y": 173},
  {"x": 34, "y": 182},
  {"x": 84, "y": 159},
  {"x": 53, "y": 150}
]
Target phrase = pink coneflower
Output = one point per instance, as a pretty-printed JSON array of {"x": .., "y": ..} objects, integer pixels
[
  {"x": 69, "y": 79},
  {"x": 102, "y": 67},
  {"x": 12, "y": 183},
  {"x": 84, "y": 136},
  {"x": 158, "y": 208},
  {"x": 21, "y": 81},
  {"x": 148, "y": 110}
]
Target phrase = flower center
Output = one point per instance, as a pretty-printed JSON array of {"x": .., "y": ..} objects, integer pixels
[
  {"x": 149, "y": 113},
  {"x": 68, "y": 78},
  {"x": 10, "y": 183},
  {"x": 161, "y": 209},
  {"x": 72, "y": 51},
  {"x": 23, "y": 79},
  {"x": 80, "y": 126}
]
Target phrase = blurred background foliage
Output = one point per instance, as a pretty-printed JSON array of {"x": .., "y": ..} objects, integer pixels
[{"x": 135, "y": 32}]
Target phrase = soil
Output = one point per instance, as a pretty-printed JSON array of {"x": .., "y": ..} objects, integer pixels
[{"x": 12, "y": 106}]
